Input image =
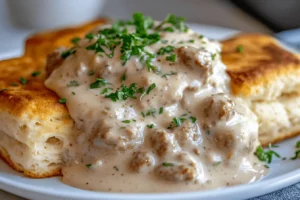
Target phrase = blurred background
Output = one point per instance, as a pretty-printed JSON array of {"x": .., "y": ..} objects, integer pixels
[{"x": 18, "y": 18}]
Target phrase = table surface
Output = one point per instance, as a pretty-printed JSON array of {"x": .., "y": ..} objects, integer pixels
[{"x": 213, "y": 12}]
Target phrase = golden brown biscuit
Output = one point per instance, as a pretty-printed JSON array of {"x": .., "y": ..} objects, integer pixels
[
  {"x": 34, "y": 128},
  {"x": 268, "y": 77}
]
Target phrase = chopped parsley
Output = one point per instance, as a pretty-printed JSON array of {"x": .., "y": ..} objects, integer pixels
[
  {"x": 161, "y": 110},
  {"x": 150, "y": 88},
  {"x": 88, "y": 165},
  {"x": 35, "y": 74},
  {"x": 123, "y": 77},
  {"x": 23, "y": 81},
  {"x": 172, "y": 58},
  {"x": 169, "y": 74},
  {"x": 150, "y": 125},
  {"x": 98, "y": 83},
  {"x": 67, "y": 53},
  {"x": 240, "y": 48},
  {"x": 105, "y": 90},
  {"x": 73, "y": 93},
  {"x": 201, "y": 36},
  {"x": 166, "y": 164},
  {"x": 151, "y": 112},
  {"x": 296, "y": 155},
  {"x": 178, "y": 121},
  {"x": 267, "y": 155},
  {"x": 298, "y": 144},
  {"x": 62, "y": 100},
  {"x": 213, "y": 56},
  {"x": 175, "y": 22},
  {"x": 89, "y": 36},
  {"x": 266, "y": 166},
  {"x": 75, "y": 40},
  {"x": 127, "y": 121},
  {"x": 73, "y": 84},
  {"x": 208, "y": 132},
  {"x": 191, "y": 41},
  {"x": 193, "y": 119},
  {"x": 164, "y": 50},
  {"x": 123, "y": 93}
]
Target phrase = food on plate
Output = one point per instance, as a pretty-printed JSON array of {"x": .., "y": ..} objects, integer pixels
[
  {"x": 267, "y": 76},
  {"x": 152, "y": 110},
  {"x": 34, "y": 128},
  {"x": 144, "y": 106}
]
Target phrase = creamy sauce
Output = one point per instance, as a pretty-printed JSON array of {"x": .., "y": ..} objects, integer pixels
[{"x": 187, "y": 133}]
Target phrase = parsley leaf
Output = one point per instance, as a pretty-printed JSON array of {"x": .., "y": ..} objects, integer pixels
[
  {"x": 124, "y": 93},
  {"x": 240, "y": 48},
  {"x": 62, "y": 100},
  {"x": 172, "y": 58},
  {"x": 23, "y": 81},
  {"x": 161, "y": 110},
  {"x": 176, "y": 22},
  {"x": 150, "y": 125},
  {"x": 67, "y": 53},
  {"x": 165, "y": 164},
  {"x": 91, "y": 73},
  {"x": 298, "y": 144},
  {"x": 88, "y": 165},
  {"x": 169, "y": 74},
  {"x": 265, "y": 155},
  {"x": 193, "y": 119},
  {"x": 178, "y": 121},
  {"x": 98, "y": 83},
  {"x": 296, "y": 155},
  {"x": 164, "y": 50},
  {"x": 35, "y": 74},
  {"x": 126, "y": 121},
  {"x": 75, "y": 40},
  {"x": 123, "y": 77}
]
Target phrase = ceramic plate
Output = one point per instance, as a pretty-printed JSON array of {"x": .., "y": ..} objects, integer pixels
[{"x": 282, "y": 172}]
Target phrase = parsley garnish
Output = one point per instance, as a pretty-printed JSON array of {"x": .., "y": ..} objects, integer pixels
[
  {"x": 127, "y": 121},
  {"x": 62, "y": 100},
  {"x": 67, "y": 53},
  {"x": 35, "y": 74},
  {"x": 151, "y": 112},
  {"x": 178, "y": 121},
  {"x": 150, "y": 125},
  {"x": 191, "y": 41},
  {"x": 161, "y": 110},
  {"x": 266, "y": 166},
  {"x": 105, "y": 90},
  {"x": 23, "y": 81},
  {"x": 98, "y": 83},
  {"x": 75, "y": 40},
  {"x": 265, "y": 155},
  {"x": 165, "y": 164},
  {"x": 169, "y": 74},
  {"x": 124, "y": 93},
  {"x": 176, "y": 22},
  {"x": 88, "y": 165},
  {"x": 73, "y": 93},
  {"x": 164, "y": 50},
  {"x": 213, "y": 56},
  {"x": 201, "y": 36},
  {"x": 298, "y": 144},
  {"x": 73, "y": 84},
  {"x": 296, "y": 155},
  {"x": 172, "y": 58},
  {"x": 150, "y": 88},
  {"x": 193, "y": 119},
  {"x": 240, "y": 48},
  {"x": 89, "y": 36}
]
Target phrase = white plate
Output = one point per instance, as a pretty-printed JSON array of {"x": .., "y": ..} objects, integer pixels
[{"x": 282, "y": 172}]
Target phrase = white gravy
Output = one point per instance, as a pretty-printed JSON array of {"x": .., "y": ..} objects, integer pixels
[{"x": 118, "y": 149}]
